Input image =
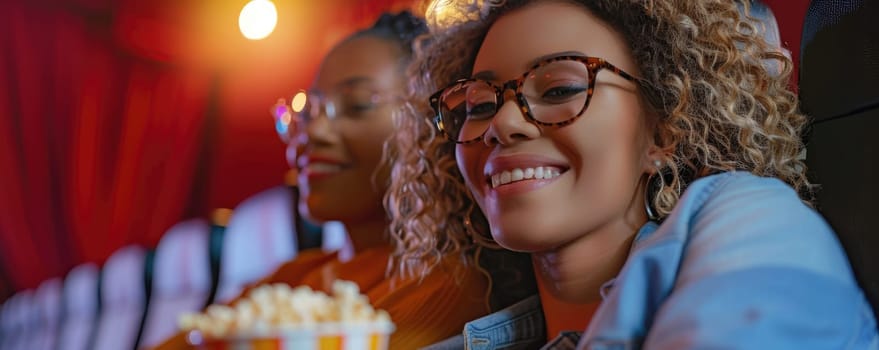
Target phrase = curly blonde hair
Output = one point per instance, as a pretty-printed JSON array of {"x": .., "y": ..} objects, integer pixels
[{"x": 719, "y": 109}]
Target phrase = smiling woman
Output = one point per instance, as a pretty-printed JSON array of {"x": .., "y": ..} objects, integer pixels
[
  {"x": 646, "y": 156},
  {"x": 335, "y": 140}
]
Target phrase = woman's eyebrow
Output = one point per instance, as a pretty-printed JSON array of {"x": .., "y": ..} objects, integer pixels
[
  {"x": 354, "y": 81},
  {"x": 554, "y": 55},
  {"x": 491, "y": 75}
]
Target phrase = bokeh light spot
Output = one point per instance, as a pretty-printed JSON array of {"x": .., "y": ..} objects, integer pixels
[
  {"x": 258, "y": 19},
  {"x": 298, "y": 102}
]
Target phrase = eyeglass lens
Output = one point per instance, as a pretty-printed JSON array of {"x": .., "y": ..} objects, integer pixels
[{"x": 554, "y": 93}]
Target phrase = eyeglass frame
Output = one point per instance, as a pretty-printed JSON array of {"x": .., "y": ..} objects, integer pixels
[
  {"x": 299, "y": 118},
  {"x": 593, "y": 66}
]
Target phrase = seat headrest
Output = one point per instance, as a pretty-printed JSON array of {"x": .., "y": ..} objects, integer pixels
[
  {"x": 123, "y": 277},
  {"x": 839, "y": 58},
  {"x": 262, "y": 227},
  {"x": 48, "y": 300},
  {"x": 182, "y": 260},
  {"x": 25, "y": 308},
  {"x": 81, "y": 290}
]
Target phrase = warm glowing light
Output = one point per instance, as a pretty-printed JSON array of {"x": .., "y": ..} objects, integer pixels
[
  {"x": 445, "y": 13},
  {"x": 258, "y": 19},
  {"x": 298, "y": 102}
]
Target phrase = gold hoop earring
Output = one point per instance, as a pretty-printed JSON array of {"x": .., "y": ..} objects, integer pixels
[
  {"x": 468, "y": 224},
  {"x": 472, "y": 231}
]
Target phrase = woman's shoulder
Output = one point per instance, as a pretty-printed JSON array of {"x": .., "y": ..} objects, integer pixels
[
  {"x": 293, "y": 271},
  {"x": 738, "y": 220},
  {"x": 714, "y": 190},
  {"x": 755, "y": 200},
  {"x": 748, "y": 248}
]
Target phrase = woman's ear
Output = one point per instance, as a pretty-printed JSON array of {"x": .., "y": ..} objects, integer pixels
[
  {"x": 658, "y": 149},
  {"x": 653, "y": 159}
]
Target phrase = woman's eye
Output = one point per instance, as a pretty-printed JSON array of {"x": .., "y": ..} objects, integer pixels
[
  {"x": 560, "y": 94},
  {"x": 357, "y": 108},
  {"x": 481, "y": 111}
]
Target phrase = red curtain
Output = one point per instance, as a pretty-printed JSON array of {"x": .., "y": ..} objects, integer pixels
[
  {"x": 97, "y": 147},
  {"x": 120, "y": 118}
]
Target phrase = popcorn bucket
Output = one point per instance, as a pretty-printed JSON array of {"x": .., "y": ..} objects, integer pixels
[{"x": 320, "y": 337}]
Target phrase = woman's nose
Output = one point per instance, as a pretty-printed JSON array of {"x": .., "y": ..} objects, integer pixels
[{"x": 510, "y": 124}]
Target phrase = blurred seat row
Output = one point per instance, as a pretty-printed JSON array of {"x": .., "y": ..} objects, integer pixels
[{"x": 134, "y": 300}]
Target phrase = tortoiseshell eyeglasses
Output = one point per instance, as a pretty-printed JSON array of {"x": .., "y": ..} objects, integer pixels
[{"x": 553, "y": 92}]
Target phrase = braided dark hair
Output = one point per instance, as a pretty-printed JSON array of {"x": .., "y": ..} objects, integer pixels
[{"x": 401, "y": 28}]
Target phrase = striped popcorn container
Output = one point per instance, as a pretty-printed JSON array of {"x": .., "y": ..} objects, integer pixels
[{"x": 322, "y": 337}]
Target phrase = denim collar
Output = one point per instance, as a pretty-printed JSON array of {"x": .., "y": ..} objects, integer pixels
[
  {"x": 643, "y": 234},
  {"x": 519, "y": 326}
]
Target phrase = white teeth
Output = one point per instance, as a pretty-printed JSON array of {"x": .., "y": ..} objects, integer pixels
[
  {"x": 518, "y": 174},
  {"x": 506, "y": 177}
]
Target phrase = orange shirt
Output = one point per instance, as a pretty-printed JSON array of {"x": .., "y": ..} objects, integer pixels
[{"x": 424, "y": 311}]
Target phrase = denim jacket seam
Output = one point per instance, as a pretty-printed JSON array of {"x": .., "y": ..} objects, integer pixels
[
  {"x": 472, "y": 332},
  {"x": 514, "y": 320}
]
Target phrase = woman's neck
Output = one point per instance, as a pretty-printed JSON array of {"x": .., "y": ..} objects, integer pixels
[
  {"x": 367, "y": 234},
  {"x": 570, "y": 277},
  {"x": 562, "y": 316}
]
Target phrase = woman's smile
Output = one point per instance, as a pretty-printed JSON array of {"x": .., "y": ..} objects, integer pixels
[{"x": 519, "y": 173}]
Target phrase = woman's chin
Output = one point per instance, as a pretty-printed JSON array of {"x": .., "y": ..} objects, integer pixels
[
  {"x": 317, "y": 213},
  {"x": 522, "y": 240},
  {"x": 324, "y": 214}
]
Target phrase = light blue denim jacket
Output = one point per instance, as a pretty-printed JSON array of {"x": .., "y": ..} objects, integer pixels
[{"x": 741, "y": 263}]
